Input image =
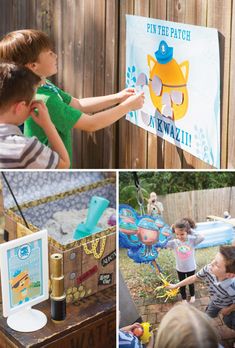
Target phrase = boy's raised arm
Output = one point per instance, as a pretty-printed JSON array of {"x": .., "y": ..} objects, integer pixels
[
  {"x": 42, "y": 118},
  {"x": 106, "y": 118},
  {"x": 190, "y": 280},
  {"x": 95, "y": 104}
]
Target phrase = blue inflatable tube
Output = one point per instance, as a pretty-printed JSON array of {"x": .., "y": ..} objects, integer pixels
[{"x": 215, "y": 233}]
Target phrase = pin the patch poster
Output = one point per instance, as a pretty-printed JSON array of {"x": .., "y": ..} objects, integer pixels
[
  {"x": 25, "y": 272},
  {"x": 177, "y": 67}
]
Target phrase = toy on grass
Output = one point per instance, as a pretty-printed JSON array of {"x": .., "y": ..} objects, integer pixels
[
  {"x": 96, "y": 208},
  {"x": 168, "y": 293},
  {"x": 144, "y": 332}
]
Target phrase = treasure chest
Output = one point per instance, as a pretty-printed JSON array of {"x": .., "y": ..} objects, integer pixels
[{"x": 89, "y": 262}]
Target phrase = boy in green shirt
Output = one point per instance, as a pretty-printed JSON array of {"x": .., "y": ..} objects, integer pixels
[{"x": 32, "y": 48}]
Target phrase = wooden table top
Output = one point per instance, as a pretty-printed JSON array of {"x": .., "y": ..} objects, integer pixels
[{"x": 88, "y": 311}]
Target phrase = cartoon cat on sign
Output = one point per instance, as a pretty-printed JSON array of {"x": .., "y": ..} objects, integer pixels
[{"x": 167, "y": 82}]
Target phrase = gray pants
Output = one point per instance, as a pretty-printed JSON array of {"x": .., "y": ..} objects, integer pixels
[{"x": 213, "y": 311}]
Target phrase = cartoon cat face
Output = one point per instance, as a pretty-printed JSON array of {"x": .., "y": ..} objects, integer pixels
[{"x": 168, "y": 85}]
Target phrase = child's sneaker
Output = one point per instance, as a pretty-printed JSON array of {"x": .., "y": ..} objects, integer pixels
[
  {"x": 192, "y": 299},
  {"x": 184, "y": 301}
]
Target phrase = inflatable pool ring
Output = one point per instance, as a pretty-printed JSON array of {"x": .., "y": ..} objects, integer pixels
[{"x": 215, "y": 233}]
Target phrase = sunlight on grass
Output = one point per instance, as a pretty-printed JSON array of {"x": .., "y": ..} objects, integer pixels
[{"x": 142, "y": 279}]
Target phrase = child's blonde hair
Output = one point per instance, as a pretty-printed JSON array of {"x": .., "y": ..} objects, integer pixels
[{"x": 185, "y": 326}]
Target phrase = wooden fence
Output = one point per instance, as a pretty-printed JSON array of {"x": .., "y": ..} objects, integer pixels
[
  {"x": 89, "y": 37},
  {"x": 198, "y": 204}
]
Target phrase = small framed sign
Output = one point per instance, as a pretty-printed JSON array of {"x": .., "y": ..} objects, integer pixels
[{"x": 24, "y": 279}]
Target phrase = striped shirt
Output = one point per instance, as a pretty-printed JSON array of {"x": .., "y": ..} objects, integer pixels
[
  {"x": 222, "y": 293},
  {"x": 17, "y": 151}
]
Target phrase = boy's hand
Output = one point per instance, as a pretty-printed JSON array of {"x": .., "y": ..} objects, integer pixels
[
  {"x": 130, "y": 328},
  {"x": 40, "y": 113},
  {"x": 135, "y": 101},
  {"x": 225, "y": 311},
  {"x": 124, "y": 94}
]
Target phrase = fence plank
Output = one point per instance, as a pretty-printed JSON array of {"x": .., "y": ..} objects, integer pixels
[
  {"x": 78, "y": 73},
  {"x": 220, "y": 16},
  {"x": 154, "y": 143},
  {"x": 231, "y": 113},
  {"x": 138, "y": 135},
  {"x": 89, "y": 139},
  {"x": 198, "y": 204},
  {"x": 111, "y": 63},
  {"x": 125, "y": 148},
  {"x": 95, "y": 140}
]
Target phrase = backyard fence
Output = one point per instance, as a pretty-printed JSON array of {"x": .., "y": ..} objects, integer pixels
[
  {"x": 198, "y": 204},
  {"x": 89, "y": 38}
]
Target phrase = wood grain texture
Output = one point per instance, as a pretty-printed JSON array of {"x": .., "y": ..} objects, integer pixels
[
  {"x": 1, "y": 199},
  {"x": 155, "y": 156},
  {"x": 110, "y": 149},
  {"x": 78, "y": 73},
  {"x": 89, "y": 324},
  {"x": 231, "y": 112},
  {"x": 124, "y": 129},
  {"x": 198, "y": 204},
  {"x": 138, "y": 135},
  {"x": 220, "y": 16}
]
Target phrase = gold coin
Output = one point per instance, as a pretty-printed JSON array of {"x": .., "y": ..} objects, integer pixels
[
  {"x": 81, "y": 287},
  {"x": 74, "y": 289},
  {"x": 69, "y": 291},
  {"x": 69, "y": 298},
  {"x": 83, "y": 293},
  {"x": 76, "y": 296}
]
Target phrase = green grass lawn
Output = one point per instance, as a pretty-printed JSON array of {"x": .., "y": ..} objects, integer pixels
[{"x": 142, "y": 279}]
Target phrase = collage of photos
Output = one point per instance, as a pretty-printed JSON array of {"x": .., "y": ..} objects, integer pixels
[
  {"x": 176, "y": 259},
  {"x": 117, "y": 174}
]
